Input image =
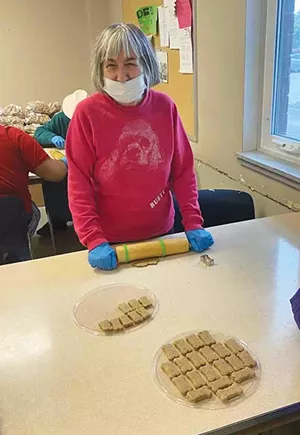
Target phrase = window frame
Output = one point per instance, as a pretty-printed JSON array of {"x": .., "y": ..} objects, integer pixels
[{"x": 261, "y": 45}]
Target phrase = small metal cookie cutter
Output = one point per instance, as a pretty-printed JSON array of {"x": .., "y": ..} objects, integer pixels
[{"x": 205, "y": 259}]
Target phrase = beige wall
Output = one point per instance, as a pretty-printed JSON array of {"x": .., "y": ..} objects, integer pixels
[
  {"x": 45, "y": 46},
  {"x": 221, "y": 57}
]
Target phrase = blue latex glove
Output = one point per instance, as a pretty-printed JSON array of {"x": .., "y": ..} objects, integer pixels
[
  {"x": 64, "y": 159},
  {"x": 199, "y": 240},
  {"x": 103, "y": 257},
  {"x": 58, "y": 141}
]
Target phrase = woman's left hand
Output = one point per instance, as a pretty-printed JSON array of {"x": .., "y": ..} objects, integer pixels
[{"x": 199, "y": 240}]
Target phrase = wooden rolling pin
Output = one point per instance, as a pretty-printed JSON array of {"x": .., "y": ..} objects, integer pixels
[{"x": 152, "y": 249}]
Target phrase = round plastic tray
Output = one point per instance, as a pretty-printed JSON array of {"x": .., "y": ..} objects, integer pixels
[
  {"x": 102, "y": 304},
  {"x": 169, "y": 389}
]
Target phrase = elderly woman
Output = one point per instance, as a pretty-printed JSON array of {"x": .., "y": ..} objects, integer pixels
[{"x": 127, "y": 150}]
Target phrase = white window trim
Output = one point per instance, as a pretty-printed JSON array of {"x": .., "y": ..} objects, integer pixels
[{"x": 253, "y": 153}]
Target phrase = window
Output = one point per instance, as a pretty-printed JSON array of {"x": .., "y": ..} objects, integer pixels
[{"x": 280, "y": 126}]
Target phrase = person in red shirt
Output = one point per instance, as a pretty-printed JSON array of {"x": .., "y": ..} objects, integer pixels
[
  {"x": 19, "y": 155},
  {"x": 127, "y": 150}
]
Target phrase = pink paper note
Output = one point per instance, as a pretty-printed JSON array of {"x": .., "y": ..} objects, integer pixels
[{"x": 184, "y": 13}]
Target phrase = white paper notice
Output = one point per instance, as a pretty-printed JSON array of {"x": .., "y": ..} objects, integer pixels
[
  {"x": 186, "y": 51},
  {"x": 174, "y": 33},
  {"x": 162, "y": 58},
  {"x": 164, "y": 19}
]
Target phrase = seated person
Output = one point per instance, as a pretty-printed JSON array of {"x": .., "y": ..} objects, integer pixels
[
  {"x": 53, "y": 134},
  {"x": 19, "y": 155}
]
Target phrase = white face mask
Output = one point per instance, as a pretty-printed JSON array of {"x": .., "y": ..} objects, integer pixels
[{"x": 127, "y": 92}]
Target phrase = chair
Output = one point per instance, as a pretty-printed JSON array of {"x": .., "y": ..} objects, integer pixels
[
  {"x": 56, "y": 203},
  {"x": 14, "y": 243},
  {"x": 220, "y": 207}
]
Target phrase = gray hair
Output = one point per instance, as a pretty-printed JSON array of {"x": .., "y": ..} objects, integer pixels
[{"x": 112, "y": 41}]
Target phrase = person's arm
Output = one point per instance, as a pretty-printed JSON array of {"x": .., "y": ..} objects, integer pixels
[
  {"x": 35, "y": 159},
  {"x": 81, "y": 161},
  {"x": 51, "y": 170},
  {"x": 183, "y": 177},
  {"x": 57, "y": 126}
]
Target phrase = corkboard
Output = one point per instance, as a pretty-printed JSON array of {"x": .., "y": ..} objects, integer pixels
[{"x": 181, "y": 86}]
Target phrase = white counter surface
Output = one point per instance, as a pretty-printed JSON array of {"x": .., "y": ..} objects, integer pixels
[{"x": 56, "y": 379}]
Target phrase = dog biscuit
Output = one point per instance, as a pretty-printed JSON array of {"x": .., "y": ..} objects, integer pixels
[
  {"x": 183, "y": 364},
  {"x": 133, "y": 315},
  {"x": 170, "y": 370},
  {"x": 229, "y": 393},
  {"x": 243, "y": 375},
  {"x": 170, "y": 351},
  {"x": 209, "y": 373},
  {"x": 105, "y": 325},
  {"x": 198, "y": 395},
  {"x": 206, "y": 338},
  {"x": 234, "y": 346},
  {"x": 221, "y": 350},
  {"x": 182, "y": 384},
  {"x": 124, "y": 307},
  {"x": 223, "y": 367},
  {"x": 223, "y": 382},
  {"x": 182, "y": 346},
  {"x": 196, "y": 378},
  {"x": 145, "y": 302},
  {"x": 196, "y": 359},
  {"x": 117, "y": 325},
  {"x": 247, "y": 359},
  {"x": 126, "y": 321},
  {"x": 209, "y": 354},
  {"x": 134, "y": 304},
  {"x": 143, "y": 312},
  {"x": 194, "y": 341},
  {"x": 235, "y": 362}
]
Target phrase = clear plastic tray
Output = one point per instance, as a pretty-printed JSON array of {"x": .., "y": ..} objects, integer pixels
[
  {"x": 102, "y": 304},
  {"x": 169, "y": 389}
]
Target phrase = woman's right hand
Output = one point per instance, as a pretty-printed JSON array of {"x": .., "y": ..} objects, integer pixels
[{"x": 103, "y": 257}]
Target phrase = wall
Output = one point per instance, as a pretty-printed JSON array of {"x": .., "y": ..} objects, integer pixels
[
  {"x": 221, "y": 57},
  {"x": 45, "y": 46}
]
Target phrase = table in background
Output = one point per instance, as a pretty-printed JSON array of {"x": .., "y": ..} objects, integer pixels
[{"x": 56, "y": 379}]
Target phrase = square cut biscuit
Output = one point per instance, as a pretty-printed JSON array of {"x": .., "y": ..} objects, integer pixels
[
  {"x": 196, "y": 378},
  {"x": 223, "y": 367},
  {"x": 124, "y": 307},
  {"x": 182, "y": 346},
  {"x": 117, "y": 325},
  {"x": 145, "y": 302},
  {"x": 235, "y": 362},
  {"x": 182, "y": 384},
  {"x": 234, "y": 346},
  {"x": 194, "y": 341},
  {"x": 134, "y": 304},
  {"x": 209, "y": 373},
  {"x": 196, "y": 359},
  {"x": 206, "y": 338},
  {"x": 223, "y": 382},
  {"x": 170, "y": 369},
  {"x": 143, "y": 312},
  {"x": 105, "y": 326},
  {"x": 229, "y": 393},
  {"x": 126, "y": 321},
  {"x": 170, "y": 351},
  {"x": 183, "y": 364},
  {"x": 209, "y": 354},
  {"x": 133, "y": 315},
  {"x": 221, "y": 350},
  {"x": 243, "y": 375},
  {"x": 198, "y": 395},
  {"x": 247, "y": 359}
]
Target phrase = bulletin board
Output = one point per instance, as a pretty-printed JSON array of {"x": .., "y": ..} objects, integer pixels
[{"x": 181, "y": 87}]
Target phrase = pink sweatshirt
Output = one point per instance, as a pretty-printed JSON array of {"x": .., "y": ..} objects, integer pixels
[{"x": 123, "y": 162}]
